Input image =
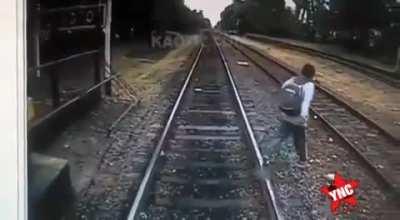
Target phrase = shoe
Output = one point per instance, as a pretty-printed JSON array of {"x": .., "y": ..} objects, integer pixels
[{"x": 267, "y": 161}]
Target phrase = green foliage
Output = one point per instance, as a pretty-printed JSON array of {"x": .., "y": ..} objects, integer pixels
[
  {"x": 144, "y": 16},
  {"x": 260, "y": 16}
]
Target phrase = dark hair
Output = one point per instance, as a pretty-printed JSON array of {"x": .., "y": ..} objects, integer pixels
[{"x": 308, "y": 71}]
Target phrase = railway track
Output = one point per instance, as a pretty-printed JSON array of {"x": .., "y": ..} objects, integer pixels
[
  {"x": 378, "y": 150},
  {"x": 205, "y": 162},
  {"x": 387, "y": 75}
]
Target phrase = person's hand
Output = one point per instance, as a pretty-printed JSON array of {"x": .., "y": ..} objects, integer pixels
[
  {"x": 304, "y": 116},
  {"x": 303, "y": 119}
]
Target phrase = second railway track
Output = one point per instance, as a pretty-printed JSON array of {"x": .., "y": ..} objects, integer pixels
[
  {"x": 373, "y": 146},
  {"x": 205, "y": 162},
  {"x": 387, "y": 75}
]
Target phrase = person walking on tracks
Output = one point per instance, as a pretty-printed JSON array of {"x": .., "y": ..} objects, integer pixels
[{"x": 295, "y": 99}]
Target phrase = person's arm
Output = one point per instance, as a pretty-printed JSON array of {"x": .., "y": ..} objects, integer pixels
[
  {"x": 308, "y": 90},
  {"x": 288, "y": 82}
]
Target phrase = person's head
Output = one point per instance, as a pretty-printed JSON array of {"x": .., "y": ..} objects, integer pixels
[{"x": 308, "y": 71}]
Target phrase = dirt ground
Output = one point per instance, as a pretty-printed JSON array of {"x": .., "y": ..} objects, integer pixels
[
  {"x": 146, "y": 72},
  {"x": 106, "y": 170},
  {"x": 298, "y": 188},
  {"x": 374, "y": 98}
]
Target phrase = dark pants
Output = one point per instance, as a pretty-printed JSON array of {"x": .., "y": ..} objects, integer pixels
[{"x": 298, "y": 133}]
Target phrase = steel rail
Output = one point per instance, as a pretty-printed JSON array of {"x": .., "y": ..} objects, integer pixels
[
  {"x": 63, "y": 60},
  {"x": 78, "y": 27},
  {"x": 251, "y": 136},
  {"x": 381, "y": 177},
  {"x": 135, "y": 102},
  {"x": 120, "y": 118},
  {"x": 70, "y": 102},
  {"x": 135, "y": 208},
  {"x": 339, "y": 100},
  {"x": 72, "y": 8}
]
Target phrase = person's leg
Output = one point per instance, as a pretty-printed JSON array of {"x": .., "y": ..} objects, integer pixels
[
  {"x": 300, "y": 142},
  {"x": 284, "y": 130},
  {"x": 270, "y": 145}
]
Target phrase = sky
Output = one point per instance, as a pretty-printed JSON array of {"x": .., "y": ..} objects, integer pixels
[{"x": 213, "y": 8}]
